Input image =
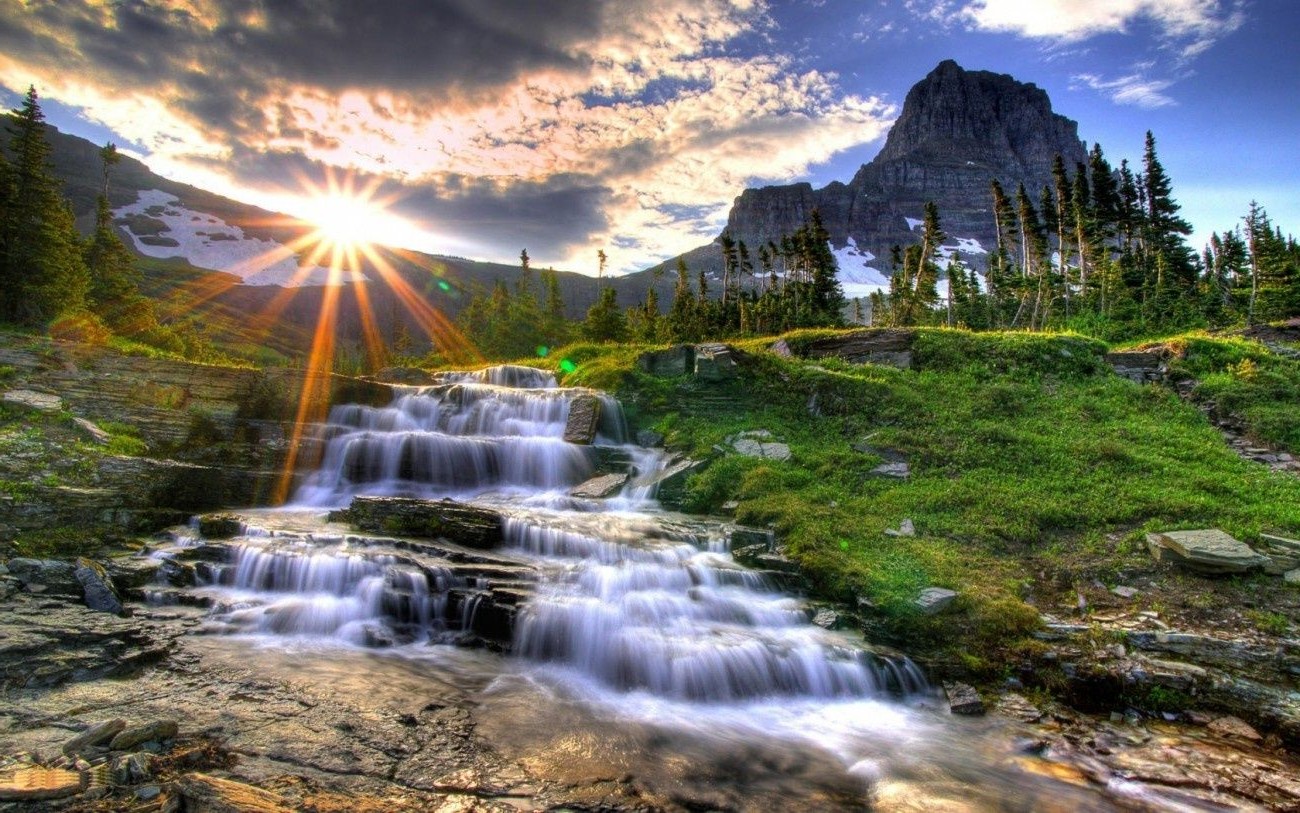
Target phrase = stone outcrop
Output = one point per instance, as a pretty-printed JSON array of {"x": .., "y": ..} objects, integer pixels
[
  {"x": 715, "y": 362},
  {"x": 674, "y": 361},
  {"x": 457, "y": 522},
  {"x": 597, "y": 488},
  {"x": 958, "y": 130},
  {"x": 1208, "y": 551},
  {"x": 583, "y": 423},
  {"x": 1140, "y": 366},
  {"x": 888, "y": 346}
]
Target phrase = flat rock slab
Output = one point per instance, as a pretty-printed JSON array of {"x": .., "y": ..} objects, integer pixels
[
  {"x": 675, "y": 361},
  {"x": 457, "y": 522},
  {"x": 39, "y": 401},
  {"x": 214, "y": 795},
  {"x": 934, "y": 600},
  {"x": 963, "y": 699},
  {"x": 1208, "y": 551},
  {"x": 598, "y": 488}
]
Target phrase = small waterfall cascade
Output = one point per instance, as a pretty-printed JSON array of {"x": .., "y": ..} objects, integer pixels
[
  {"x": 616, "y": 595},
  {"x": 495, "y": 430}
]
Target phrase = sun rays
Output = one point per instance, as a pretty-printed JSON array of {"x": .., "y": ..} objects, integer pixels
[{"x": 346, "y": 226}]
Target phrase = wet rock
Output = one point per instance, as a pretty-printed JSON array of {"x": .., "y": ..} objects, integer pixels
[
  {"x": 132, "y": 769},
  {"x": 98, "y": 591},
  {"x": 669, "y": 484},
  {"x": 209, "y": 794},
  {"x": 963, "y": 699},
  {"x": 34, "y": 783},
  {"x": 1207, "y": 551},
  {"x": 97, "y": 734},
  {"x": 740, "y": 536},
  {"x": 827, "y": 619},
  {"x": 435, "y": 519},
  {"x": 715, "y": 362},
  {"x": 584, "y": 420},
  {"x": 220, "y": 526},
  {"x": 597, "y": 488},
  {"x": 156, "y": 730},
  {"x": 1016, "y": 707},
  {"x": 934, "y": 600},
  {"x": 405, "y": 375},
  {"x": 674, "y": 361},
  {"x": 649, "y": 438},
  {"x": 46, "y": 576},
  {"x": 1234, "y": 727},
  {"x": 36, "y": 401}
]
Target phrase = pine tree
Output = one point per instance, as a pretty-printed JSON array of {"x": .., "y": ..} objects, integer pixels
[
  {"x": 605, "y": 322},
  {"x": 114, "y": 278},
  {"x": 44, "y": 274}
]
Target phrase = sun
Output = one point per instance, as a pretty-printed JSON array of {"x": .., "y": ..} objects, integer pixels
[{"x": 347, "y": 221}]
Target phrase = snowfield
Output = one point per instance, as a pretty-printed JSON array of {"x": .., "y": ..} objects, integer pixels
[{"x": 209, "y": 242}]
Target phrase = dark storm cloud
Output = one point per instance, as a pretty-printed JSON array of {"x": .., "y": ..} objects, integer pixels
[{"x": 213, "y": 62}]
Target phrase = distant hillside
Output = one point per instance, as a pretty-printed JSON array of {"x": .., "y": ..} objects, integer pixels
[{"x": 198, "y": 249}]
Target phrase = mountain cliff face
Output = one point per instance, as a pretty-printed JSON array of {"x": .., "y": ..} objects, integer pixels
[{"x": 958, "y": 131}]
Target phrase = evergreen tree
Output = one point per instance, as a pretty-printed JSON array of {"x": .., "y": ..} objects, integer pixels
[
  {"x": 44, "y": 274},
  {"x": 605, "y": 321}
]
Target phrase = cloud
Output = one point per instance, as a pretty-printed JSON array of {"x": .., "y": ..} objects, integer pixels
[
  {"x": 1134, "y": 89},
  {"x": 566, "y": 125},
  {"x": 1194, "y": 23}
]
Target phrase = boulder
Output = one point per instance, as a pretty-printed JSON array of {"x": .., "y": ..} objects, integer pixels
[
  {"x": 435, "y": 519},
  {"x": 1124, "y": 591},
  {"x": 669, "y": 483},
  {"x": 97, "y": 588},
  {"x": 827, "y": 619},
  {"x": 905, "y": 528},
  {"x": 48, "y": 576},
  {"x": 887, "y": 346},
  {"x": 156, "y": 730},
  {"x": 97, "y": 734},
  {"x": 597, "y": 488},
  {"x": 740, "y": 536},
  {"x": 132, "y": 769},
  {"x": 675, "y": 361},
  {"x": 649, "y": 438},
  {"x": 1207, "y": 551},
  {"x": 584, "y": 420},
  {"x": 1140, "y": 366},
  {"x": 220, "y": 526},
  {"x": 899, "y": 471},
  {"x": 714, "y": 362},
  {"x": 1292, "y": 577},
  {"x": 963, "y": 699},
  {"x": 36, "y": 401},
  {"x": 209, "y": 794},
  {"x": 934, "y": 600}
]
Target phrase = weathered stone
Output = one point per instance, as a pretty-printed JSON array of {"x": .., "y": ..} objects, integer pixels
[
  {"x": 674, "y": 361},
  {"x": 1281, "y": 543},
  {"x": 131, "y": 769},
  {"x": 1292, "y": 576},
  {"x": 583, "y": 423},
  {"x": 1278, "y": 565},
  {"x": 220, "y": 526},
  {"x": 34, "y": 784},
  {"x": 208, "y": 794},
  {"x": 715, "y": 362},
  {"x": 905, "y": 528},
  {"x": 434, "y": 519},
  {"x": 934, "y": 600},
  {"x": 740, "y": 536},
  {"x": 756, "y": 443},
  {"x": 669, "y": 484},
  {"x": 48, "y": 576},
  {"x": 404, "y": 375},
  {"x": 1140, "y": 366},
  {"x": 1124, "y": 591},
  {"x": 91, "y": 432},
  {"x": 826, "y": 618},
  {"x": 888, "y": 346},
  {"x": 900, "y": 471},
  {"x": 1208, "y": 551},
  {"x": 97, "y": 734},
  {"x": 607, "y": 485},
  {"x": 98, "y": 591},
  {"x": 649, "y": 438},
  {"x": 30, "y": 399},
  {"x": 1015, "y": 706},
  {"x": 963, "y": 699},
  {"x": 1234, "y": 727},
  {"x": 157, "y": 730}
]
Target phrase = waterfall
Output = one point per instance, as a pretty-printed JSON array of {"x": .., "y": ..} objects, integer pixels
[{"x": 612, "y": 594}]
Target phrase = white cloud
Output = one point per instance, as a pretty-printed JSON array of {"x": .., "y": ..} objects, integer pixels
[
  {"x": 1195, "y": 23},
  {"x": 1134, "y": 89}
]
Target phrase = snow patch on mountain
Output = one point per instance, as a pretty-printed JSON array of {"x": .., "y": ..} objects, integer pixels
[
  {"x": 206, "y": 241},
  {"x": 856, "y": 276}
]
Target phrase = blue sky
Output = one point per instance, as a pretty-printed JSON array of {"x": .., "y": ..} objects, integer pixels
[{"x": 479, "y": 127}]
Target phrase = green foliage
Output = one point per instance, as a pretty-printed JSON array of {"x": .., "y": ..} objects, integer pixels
[
  {"x": 56, "y": 543},
  {"x": 1269, "y": 622},
  {"x": 124, "y": 439}
]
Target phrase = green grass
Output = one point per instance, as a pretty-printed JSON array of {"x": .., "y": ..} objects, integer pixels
[{"x": 1023, "y": 448}]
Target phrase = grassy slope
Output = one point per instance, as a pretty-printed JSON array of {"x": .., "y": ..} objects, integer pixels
[{"x": 1028, "y": 457}]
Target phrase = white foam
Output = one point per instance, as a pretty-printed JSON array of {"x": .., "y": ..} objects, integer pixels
[{"x": 207, "y": 241}]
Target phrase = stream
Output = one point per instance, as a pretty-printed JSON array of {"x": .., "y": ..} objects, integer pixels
[{"x": 624, "y": 644}]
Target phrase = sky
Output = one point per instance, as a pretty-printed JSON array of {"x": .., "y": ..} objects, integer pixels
[{"x": 480, "y": 127}]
